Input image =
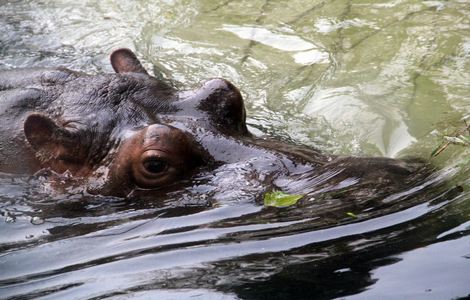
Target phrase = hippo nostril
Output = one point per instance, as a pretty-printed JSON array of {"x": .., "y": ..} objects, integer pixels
[
  {"x": 218, "y": 103},
  {"x": 224, "y": 105}
]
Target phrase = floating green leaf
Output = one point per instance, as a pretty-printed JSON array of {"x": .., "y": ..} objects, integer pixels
[
  {"x": 351, "y": 214},
  {"x": 280, "y": 199}
]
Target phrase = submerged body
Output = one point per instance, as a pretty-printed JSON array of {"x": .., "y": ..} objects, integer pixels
[{"x": 129, "y": 131}]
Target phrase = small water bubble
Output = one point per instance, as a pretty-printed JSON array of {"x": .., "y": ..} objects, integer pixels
[
  {"x": 37, "y": 221},
  {"x": 343, "y": 270}
]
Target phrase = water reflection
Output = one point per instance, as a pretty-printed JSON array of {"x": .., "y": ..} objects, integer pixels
[{"x": 362, "y": 78}]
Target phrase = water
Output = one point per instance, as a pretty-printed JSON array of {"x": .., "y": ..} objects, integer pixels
[{"x": 347, "y": 77}]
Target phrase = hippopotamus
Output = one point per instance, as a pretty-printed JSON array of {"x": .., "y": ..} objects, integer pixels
[{"x": 130, "y": 131}]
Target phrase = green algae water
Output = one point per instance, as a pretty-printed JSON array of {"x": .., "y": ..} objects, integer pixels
[{"x": 369, "y": 78}]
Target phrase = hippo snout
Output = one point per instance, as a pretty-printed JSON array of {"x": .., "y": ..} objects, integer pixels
[{"x": 217, "y": 104}]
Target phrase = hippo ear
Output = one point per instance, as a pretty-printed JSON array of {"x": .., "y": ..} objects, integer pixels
[
  {"x": 124, "y": 60},
  {"x": 44, "y": 135}
]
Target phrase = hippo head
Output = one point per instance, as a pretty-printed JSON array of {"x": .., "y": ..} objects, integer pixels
[{"x": 155, "y": 146}]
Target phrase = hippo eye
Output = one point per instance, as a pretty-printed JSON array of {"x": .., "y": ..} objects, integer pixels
[{"x": 155, "y": 165}]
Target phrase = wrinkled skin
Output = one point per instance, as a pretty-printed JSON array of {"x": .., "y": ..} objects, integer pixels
[{"x": 129, "y": 131}]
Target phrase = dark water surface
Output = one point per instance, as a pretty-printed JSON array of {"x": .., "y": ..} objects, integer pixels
[{"x": 388, "y": 78}]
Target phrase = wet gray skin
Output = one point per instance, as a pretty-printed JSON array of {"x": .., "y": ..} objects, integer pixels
[{"x": 129, "y": 133}]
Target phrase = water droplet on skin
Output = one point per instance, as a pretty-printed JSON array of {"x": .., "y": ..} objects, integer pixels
[{"x": 9, "y": 218}]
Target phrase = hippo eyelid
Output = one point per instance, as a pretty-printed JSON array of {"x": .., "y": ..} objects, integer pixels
[{"x": 153, "y": 148}]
